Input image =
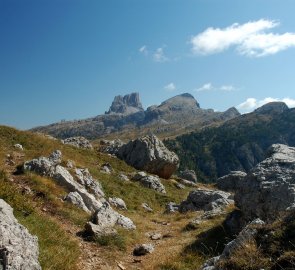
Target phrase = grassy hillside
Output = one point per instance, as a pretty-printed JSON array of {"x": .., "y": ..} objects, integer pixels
[
  {"x": 38, "y": 205},
  {"x": 238, "y": 144}
]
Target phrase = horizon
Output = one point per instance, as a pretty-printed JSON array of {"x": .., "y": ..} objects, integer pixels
[{"x": 65, "y": 60}]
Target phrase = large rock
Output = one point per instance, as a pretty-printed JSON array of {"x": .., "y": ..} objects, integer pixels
[
  {"x": 106, "y": 217},
  {"x": 148, "y": 153},
  {"x": 205, "y": 199},
  {"x": 79, "y": 142},
  {"x": 231, "y": 181},
  {"x": 189, "y": 175},
  {"x": 18, "y": 248},
  {"x": 149, "y": 181},
  {"x": 269, "y": 189}
]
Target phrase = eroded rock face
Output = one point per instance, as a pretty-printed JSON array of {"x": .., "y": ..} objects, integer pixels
[
  {"x": 18, "y": 248},
  {"x": 189, "y": 175},
  {"x": 205, "y": 199},
  {"x": 79, "y": 142},
  {"x": 149, "y": 181},
  {"x": 148, "y": 153},
  {"x": 269, "y": 189},
  {"x": 231, "y": 181}
]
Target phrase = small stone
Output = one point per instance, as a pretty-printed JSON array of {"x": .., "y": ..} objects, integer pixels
[
  {"x": 19, "y": 146},
  {"x": 123, "y": 177},
  {"x": 156, "y": 236},
  {"x": 118, "y": 203},
  {"x": 146, "y": 207}
]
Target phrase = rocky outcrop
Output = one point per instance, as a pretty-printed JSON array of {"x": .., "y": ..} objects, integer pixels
[
  {"x": 205, "y": 199},
  {"x": 18, "y": 248},
  {"x": 149, "y": 181},
  {"x": 231, "y": 182},
  {"x": 189, "y": 175},
  {"x": 127, "y": 104},
  {"x": 150, "y": 154},
  {"x": 50, "y": 167},
  {"x": 269, "y": 189},
  {"x": 85, "y": 192},
  {"x": 79, "y": 142}
]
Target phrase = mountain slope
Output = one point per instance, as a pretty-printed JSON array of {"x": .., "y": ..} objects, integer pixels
[
  {"x": 126, "y": 118},
  {"x": 238, "y": 144},
  {"x": 39, "y": 205}
]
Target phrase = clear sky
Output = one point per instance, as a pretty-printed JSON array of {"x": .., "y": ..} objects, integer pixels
[{"x": 67, "y": 59}]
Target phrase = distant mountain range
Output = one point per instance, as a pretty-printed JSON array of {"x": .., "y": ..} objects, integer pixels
[
  {"x": 126, "y": 118},
  {"x": 238, "y": 144}
]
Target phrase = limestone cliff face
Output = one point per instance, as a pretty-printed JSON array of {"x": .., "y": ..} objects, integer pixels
[{"x": 127, "y": 104}]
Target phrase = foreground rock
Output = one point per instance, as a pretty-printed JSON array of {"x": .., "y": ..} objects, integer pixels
[
  {"x": 143, "y": 249},
  {"x": 148, "y": 153},
  {"x": 231, "y": 182},
  {"x": 18, "y": 248},
  {"x": 79, "y": 142},
  {"x": 269, "y": 189},
  {"x": 205, "y": 199},
  {"x": 149, "y": 181},
  {"x": 189, "y": 175},
  {"x": 50, "y": 167}
]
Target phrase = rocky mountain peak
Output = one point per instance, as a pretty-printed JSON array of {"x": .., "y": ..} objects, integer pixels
[
  {"x": 231, "y": 113},
  {"x": 272, "y": 107},
  {"x": 185, "y": 100},
  {"x": 127, "y": 104}
]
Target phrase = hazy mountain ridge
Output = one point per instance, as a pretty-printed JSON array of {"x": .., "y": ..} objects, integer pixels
[
  {"x": 178, "y": 114},
  {"x": 238, "y": 144}
]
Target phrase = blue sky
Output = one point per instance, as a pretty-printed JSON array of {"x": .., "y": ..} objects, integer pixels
[{"x": 67, "y": 59}]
